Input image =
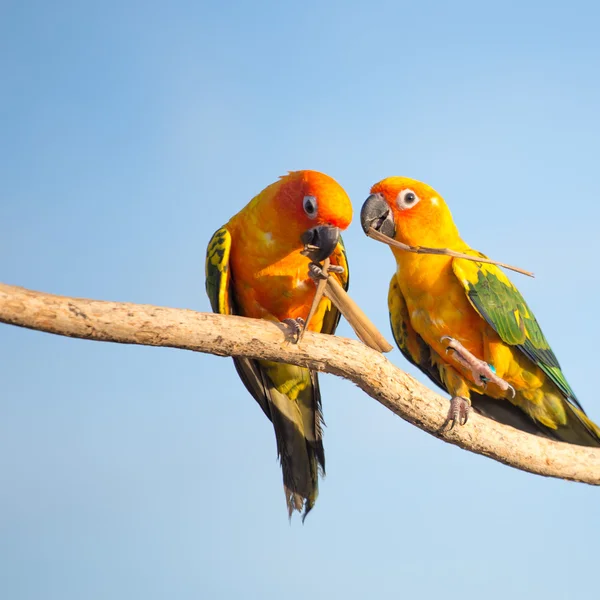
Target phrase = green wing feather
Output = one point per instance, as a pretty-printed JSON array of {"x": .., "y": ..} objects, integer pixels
[
  {"x": 499, "y": 302},
  {"x": 288, "y": 395},
  {"x": 218, "y": 289},
  {"x": 217, "y": 272}
]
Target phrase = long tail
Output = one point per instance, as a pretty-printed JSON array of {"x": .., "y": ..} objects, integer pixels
[
  {"x": 291, "y": 399},
  {"x": 579, "y": 429}
]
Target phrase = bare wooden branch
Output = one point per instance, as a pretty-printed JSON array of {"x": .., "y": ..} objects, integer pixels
[
  {"x": 236, "y": 336},
  {"x": 377, "y": 235}
]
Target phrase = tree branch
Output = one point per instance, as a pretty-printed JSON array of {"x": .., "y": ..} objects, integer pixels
[{"x": 236, "y": 336}]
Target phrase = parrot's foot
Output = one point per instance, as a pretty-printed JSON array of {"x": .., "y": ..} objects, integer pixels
[
  {"x": 296, "y": 328},
  {"x": 482, "y": 372},
  {"x": 317, "y": 273},
  {"x": 460, "y": 409}
]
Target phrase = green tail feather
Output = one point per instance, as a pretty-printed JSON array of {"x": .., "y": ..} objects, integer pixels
[
  {"x": 579, "y": 428},
  {"x": 290, "y": 397}
]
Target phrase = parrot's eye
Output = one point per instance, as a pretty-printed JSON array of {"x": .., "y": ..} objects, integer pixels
[
  {"x": 407, "y": 199},
  {"x": 310, "y": 206}
]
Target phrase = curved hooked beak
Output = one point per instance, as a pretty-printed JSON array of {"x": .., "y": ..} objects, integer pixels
[
  {"x": 320, "y": 242},
  {"x": 376, "y": 213}
]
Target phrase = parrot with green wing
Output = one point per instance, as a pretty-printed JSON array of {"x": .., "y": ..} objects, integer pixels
[
  {"x": 257, "y": 265},
  {"x": 466, "y": 326}
]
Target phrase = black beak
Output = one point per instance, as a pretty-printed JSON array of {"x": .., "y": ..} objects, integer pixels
[
  {"x": 320, "y": 242},
  {"x": 376, "y": 213}
]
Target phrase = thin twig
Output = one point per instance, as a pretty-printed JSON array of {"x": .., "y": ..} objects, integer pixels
[
  {"x": 376, "y": 235},
  {"x": 318, "y": 295}
]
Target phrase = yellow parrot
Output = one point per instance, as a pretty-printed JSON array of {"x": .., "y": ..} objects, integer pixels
[
  {"x": 255, "y": 268},
  {"x": 466, "y": 326}
]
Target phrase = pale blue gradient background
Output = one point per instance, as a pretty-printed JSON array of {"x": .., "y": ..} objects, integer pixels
[{"x": 129, "y": 132}]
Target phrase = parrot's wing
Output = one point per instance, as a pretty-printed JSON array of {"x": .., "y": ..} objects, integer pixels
[
  {"x": 331, "y": 317},
  {"x": 222, "y": 301},
  {"x": 410, "y": 343},
  {"x": 288, "y": 395},
  {"x": 418, "y": 352},
  {"x": 217, "y": 272},
  {"x": 499, "y": 302}
]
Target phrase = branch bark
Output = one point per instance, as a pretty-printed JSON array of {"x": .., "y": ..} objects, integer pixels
[{"x": 237, "y": 336}]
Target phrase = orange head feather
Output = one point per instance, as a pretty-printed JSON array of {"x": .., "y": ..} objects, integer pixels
[
  {"x": 420, "y": 215},
  {"x": 298, "y": 202},
  {"x": 310, "y": 199}
]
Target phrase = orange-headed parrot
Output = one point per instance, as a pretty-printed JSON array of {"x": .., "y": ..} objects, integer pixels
[
  {"x": 466, "y": 326},
  {"x": 254, "y": 268}
]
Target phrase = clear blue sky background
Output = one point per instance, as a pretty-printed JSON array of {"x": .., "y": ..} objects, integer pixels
[{"x": 129, "y": 132}]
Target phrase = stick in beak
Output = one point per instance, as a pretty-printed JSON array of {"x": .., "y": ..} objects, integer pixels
[
  {"x": 377, "y": 222},
  {"x": 320, "y": 242},
  {"x": 380, "y": 237},
  {"x": 376, "y": 214}
]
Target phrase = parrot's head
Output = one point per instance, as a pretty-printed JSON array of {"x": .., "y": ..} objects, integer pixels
[
  {"x": 312, "y": 208},
  {"x": 408, "y": 211}
]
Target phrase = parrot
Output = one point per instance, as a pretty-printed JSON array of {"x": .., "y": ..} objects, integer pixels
[
  {"x": 466, "y": 326},
  {"x": 257, "y": 265}
]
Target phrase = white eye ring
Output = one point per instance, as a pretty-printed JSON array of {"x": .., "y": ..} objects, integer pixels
[
  {"x": 310, "y": 206},
  {"x": 407, "y": 199}
]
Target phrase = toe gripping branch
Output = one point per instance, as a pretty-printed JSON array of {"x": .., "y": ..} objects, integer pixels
[
  {"x": 297, "y": 327},
  {"x": 460, "y": 409},
  {"x": 482, "y": 372}
]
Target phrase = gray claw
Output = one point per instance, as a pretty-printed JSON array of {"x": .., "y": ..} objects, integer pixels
[
  {"x": 336, "y": 269},
  {"x": 296, "y": 326},
  {"x": 460, "y": 409},
  {"x": 448, "y": 348},
  {"x": 316, "y": 272}
]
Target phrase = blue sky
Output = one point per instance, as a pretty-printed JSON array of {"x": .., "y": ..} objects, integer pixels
[{"x": 129, "y": 132}]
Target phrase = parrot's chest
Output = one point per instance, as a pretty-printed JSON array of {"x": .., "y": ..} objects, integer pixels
[
  {"x": 281, "y": 289},
  {"x": 442, "y": 309}
]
